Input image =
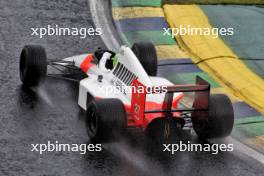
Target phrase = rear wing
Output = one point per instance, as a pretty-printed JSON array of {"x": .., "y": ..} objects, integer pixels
[{"x": 200, "y": 104}]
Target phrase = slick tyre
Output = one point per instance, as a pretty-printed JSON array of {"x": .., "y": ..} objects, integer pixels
[
  {"x": 106, "y": 120},
  {"x": 220, "y": 121},
  {"x": 147, "y": 56},
  {"x": 33, "y": 65}
]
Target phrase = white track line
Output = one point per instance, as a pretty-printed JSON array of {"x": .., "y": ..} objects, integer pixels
[{"x": 99, "y": 15}]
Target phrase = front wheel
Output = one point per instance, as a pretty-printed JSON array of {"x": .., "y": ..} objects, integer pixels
[
  {"x": 106, "y": 120},
  {"x": 220, "y": 121},
  {"x": 33, "y": 65}
]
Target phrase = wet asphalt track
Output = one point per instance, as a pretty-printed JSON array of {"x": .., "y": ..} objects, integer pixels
[{"x": 51, "y": 112}]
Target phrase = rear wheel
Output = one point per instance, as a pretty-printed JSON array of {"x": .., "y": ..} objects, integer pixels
[
  {"x": 105, "y": 120},
  {"x": 33, "y": 65},
  {"x": 220, "y": 121},
  {"x": 147, "y": 56}
]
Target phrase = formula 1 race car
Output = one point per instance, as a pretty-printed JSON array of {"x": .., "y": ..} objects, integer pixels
[{"x": 122, "y": 90}]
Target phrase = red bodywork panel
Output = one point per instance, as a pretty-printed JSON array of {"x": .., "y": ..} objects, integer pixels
[
  {"x": 142, "y": 112},
  {"x": 137, "y": 110},
  {"x": 87, "y": 63},
  {"x": 139, "y": 105}
]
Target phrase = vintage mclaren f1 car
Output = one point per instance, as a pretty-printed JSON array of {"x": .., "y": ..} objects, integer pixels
[{"x": 121, "y": 90}]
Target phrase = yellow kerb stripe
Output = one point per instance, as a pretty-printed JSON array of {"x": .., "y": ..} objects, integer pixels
[
  {"x": 257, "y": 142},
  {"x": 170, "y": 52},
  {"x": 214, "y": 56}
]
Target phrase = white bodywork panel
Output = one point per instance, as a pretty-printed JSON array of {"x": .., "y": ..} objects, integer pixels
[{"x": 111, "y": 80}]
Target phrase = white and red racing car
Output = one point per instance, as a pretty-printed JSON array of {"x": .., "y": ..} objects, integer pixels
[{"x": 121, "y": 90}]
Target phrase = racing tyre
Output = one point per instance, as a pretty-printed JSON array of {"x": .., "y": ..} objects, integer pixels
[
  {"x": 147, "y": 56},
  {"x": 106, "y": 120},
  {"x": 220, "y": 121},
  {"x": 33, "y": 65}
]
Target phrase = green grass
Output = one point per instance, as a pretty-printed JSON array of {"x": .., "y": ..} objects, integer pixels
[
  {"x": 213, "y": 2},
  {"x": 249, "y": 120},
  {"x": 156, "y": 37},
  {"x": 132, "y": 3}
]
